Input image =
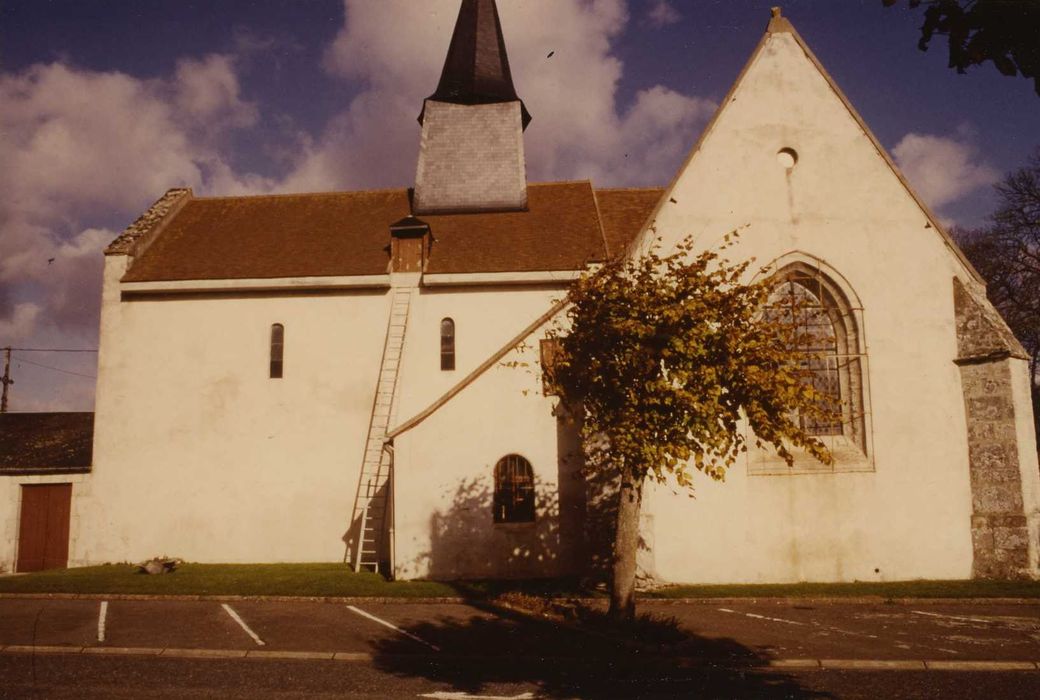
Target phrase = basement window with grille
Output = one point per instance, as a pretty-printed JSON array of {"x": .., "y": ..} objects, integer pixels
[
  {"x": 277, "y": 349},
  {"x": 514, "y": 490}
]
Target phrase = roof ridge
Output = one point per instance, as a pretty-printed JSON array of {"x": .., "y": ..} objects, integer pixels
[
  {"x": 660, "y": 188},
  {"x": 378, "y": 190},
  {"x": 322, "y": 193}
]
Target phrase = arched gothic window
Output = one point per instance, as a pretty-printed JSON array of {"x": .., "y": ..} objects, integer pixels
[
  {"x": 514, "y": 490},
  {"x": 277, "y": 349},
  {"x": 828, "y": 338},
  {"x": 447, "y": 344}
]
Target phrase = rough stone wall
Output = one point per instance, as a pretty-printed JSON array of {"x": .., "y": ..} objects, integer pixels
[
  {"x": 999, "y": 529},
  {"x": 471, "y": 158},
  {"x": 128, "y": 242},
  {"x": 999, "y": 525}
]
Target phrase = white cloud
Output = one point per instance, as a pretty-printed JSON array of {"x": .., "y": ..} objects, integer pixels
[
  {"x": 208, "y": 90},
  {"x": 83, "y": 150},
  {"x": 942, "y": 169},
  {"x": 84, "y": 146},
  {"x": 662, "y": 13},
  {"x": 396, "y": 49},
  {"x": 20, "y": 323}
]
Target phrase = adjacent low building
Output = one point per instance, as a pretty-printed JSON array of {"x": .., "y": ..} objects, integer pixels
[{"x": 44, "y": 464}]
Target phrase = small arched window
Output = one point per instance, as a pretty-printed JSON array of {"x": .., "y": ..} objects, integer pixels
[
  {"x": 829, "y": 343},
  {"x": 277, "y": 349},
  {"x": 514, "y": 490},
  {"x": 447, "y": 344}
]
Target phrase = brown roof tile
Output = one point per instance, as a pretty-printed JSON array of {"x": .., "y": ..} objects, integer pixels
[
  {"x": 623, "y": 212},
  {"x": 347, "y": 233},
  {"x": 45, "y": 442}
]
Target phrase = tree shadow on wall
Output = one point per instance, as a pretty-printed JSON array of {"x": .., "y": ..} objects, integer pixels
[
  {"x": 466, "y": 543},
  {"x": 489, "y": 650}
]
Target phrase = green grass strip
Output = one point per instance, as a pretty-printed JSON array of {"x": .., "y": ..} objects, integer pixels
[
  {"x": 886, "y": 589},
  {"x": 224, "y": 579},
  {"x": 337, "y": 580}
]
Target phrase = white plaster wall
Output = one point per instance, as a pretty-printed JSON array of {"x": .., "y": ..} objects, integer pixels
[
  {"x": 199, "y": 454},
  {"x": 486, "y": 318},
  {"x": 444, "y": 483},
  {"x": 10, "y": 502},
  {"x": 911, "y": 516}
]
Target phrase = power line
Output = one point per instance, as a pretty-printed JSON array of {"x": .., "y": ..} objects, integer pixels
[{"x": 57, "y": 369}]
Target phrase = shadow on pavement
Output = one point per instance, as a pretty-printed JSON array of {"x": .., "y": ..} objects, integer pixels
[{"x": 505, "y": 647}]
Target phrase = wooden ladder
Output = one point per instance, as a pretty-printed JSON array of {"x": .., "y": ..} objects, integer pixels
[{"x": 370, "y": 547}]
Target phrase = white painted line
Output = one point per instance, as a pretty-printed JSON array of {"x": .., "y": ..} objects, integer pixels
[
  {"x": 980, "y": 665},
  {"x": 102, "y": 616},
  {"x": 763, "y": 617},
  {"x": 392, "y": 626},
  {"x": 452, "y": 695},
  {"x": 954, "y": 617},
  {"x": 242, "y": 623},
  {"x": 873, "y": 664}
]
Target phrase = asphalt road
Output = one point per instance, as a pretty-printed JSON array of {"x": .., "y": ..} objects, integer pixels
[{"x": 97, "y": 648}]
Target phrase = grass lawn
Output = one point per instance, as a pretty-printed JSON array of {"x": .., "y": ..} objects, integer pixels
[
  {"x": 337, "y": 580},
  {"x": 223, "y": 579},
  {"x": 887, "y": 589}
]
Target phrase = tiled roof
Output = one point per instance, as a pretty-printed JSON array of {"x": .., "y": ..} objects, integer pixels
[
  {"x": 35, "y": 443},
  {"x": 623, "y": 212},
  {"x": 347, "y": 233}
]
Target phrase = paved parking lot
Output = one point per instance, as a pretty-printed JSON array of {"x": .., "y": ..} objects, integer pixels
[
  {"x": 111, "y": 648},
  {"x": 835, "y": 630},
  {"x": 757, "y": 631}
]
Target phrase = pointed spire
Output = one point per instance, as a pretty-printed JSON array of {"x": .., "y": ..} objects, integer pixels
[{"x": 476, "y": 70}]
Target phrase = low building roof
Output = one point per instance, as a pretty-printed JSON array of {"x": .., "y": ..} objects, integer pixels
[
  {"x": 347, "y": 233},
  {"x": 46, "y": 443}
]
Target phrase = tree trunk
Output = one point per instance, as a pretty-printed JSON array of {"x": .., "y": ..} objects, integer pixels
[{"x": 626, "y": 545}]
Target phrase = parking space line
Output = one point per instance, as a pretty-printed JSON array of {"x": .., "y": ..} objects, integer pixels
[
  {"x": 392, "y": 626},
  {"x": 102, "y": 616},
  {"x": 763, "y": 617},
  {"x": 988, "y": 623},
  {"x": 242, "y": 623}
]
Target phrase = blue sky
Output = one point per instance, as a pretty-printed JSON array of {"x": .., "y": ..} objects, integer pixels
[{"x": 105, "y": 104}]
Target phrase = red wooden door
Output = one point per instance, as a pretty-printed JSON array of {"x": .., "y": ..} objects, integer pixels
[{"x": 43, "y": 534}]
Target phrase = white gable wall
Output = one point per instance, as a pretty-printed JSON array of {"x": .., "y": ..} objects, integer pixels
[{"x": 842, "y": 203}]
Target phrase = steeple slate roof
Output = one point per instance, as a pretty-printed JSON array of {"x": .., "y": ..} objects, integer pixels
[{"x": 476, "y": 70}]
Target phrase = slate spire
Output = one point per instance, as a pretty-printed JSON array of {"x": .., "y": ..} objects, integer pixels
[
  {"x": 471, "y": 150},
  {"x": 476, "y": 70}
]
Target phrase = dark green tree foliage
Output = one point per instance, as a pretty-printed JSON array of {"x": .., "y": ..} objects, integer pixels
[
  {"x": 672, "y": 357},
  {"x": 1007, "y": 255},
  {"x": 1006, "y": 32}
]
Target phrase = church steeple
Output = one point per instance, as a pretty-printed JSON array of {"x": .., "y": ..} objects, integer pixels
[
  {"x": 471, "y": 154},
  {"x": 476, "y": 70}
]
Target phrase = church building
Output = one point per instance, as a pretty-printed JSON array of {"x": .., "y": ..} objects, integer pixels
[{"x": 356, "y": 376}]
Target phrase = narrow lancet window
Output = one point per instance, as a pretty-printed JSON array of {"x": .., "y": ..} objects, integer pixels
[
  {"x": 277, "y": 349},
  {"x": 447, "y": 345}
]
